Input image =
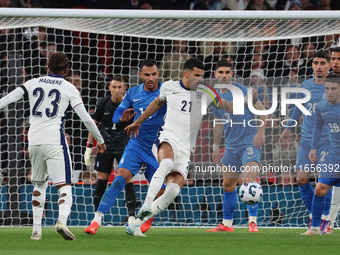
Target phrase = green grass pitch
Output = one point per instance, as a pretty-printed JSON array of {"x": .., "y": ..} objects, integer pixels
[{"x": 169, "y": 241}]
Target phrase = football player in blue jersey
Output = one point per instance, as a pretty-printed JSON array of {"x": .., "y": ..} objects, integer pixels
[
  {"x": 321, "y": 66},
  {"x": 327, "y": 113},
  {"x": 138, "y": 150},
  {"x": 335, "y": 205},
  {"x": 243, "y": 148}
]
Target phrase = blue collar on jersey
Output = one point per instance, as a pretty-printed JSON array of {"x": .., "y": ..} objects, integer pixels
[
  {"x": 182, "y": 85},
  {"x": 55, "y": 75}
]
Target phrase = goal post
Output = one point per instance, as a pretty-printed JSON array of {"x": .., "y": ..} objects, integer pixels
[{"x": 270, "y": 49}]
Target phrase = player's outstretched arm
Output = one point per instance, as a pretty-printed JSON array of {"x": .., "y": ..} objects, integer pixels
[
  {"x": 217, "y": 134},
  {"x": 12, "y": 97},
  {"x": 88, "y": 122},
  {"x": 259, "y": 137},
  {"x": 317, "y": 131},
  {"x": 225, "y": 106},
  {"x": 154, "y": 106}
]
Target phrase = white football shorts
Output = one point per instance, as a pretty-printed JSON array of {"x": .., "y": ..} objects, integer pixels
[
  {"x": 52, "y": 161},
  {"x": 181, "y": 156}
]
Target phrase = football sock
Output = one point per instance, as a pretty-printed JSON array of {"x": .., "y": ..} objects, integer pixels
[
  {"x": 38, "y": 203},
  {"x": 317, "y": 208},
  {"x": 229, "y": 205},
  {"x": 171, "y": 192},
  {"x": 307, "y": 194},
  {"x": 98, "y": 193},
  {"x": 98, "y": 218},
  {"x": 335, "y": 205},
  {"x": 158, "y": 179},
  {"x": 65, "y": 203},
  {"x": 253, "y": 219},
  {"x": 111, "y": 194},
  {"x": 228, "y": 223},
  {"x": 252, "y": 210},
  {"x": 130, "y": 198},
  {"x": 326, "y": 211}
]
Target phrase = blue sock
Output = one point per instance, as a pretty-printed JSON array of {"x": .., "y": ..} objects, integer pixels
[
  {"x": 252, "y": 209},
  {"x": 229, "y": 204},
  {"x": 111, "y": 194},
  {"x": 328, "y": 200},
  {"x": 307, "y": 194},
  {"x": 317, "y": 208}
]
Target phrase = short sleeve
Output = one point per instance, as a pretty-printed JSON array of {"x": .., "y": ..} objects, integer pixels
[
  {"x": 163, "y": 92},
  {"x": 126, "y": 103}
]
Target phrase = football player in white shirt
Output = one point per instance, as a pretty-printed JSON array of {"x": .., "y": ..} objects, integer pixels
[
  {"x": 176, "y": 140},
  {"x": 49, "y": 96}
]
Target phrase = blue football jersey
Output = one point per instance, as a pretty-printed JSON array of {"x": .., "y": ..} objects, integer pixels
[
  {"x": 317, "y": 94},
  {"x": 139, "y": 99},
  {"x": 328, "y": 115},
  {"x": 237, "y": 132}
]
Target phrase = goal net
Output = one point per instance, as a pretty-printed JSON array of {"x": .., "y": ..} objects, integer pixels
[{"x": 267, "y": 50}]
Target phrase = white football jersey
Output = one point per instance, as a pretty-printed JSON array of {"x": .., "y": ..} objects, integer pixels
[
  {"x": 184, "y": 112},
  {"x": 49, "y": 97}
]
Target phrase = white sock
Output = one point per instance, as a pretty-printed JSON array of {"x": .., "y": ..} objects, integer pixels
[
  {"x": 158, "y": 179},
  {"x": 39, "y": 209},
  {"x": 98, "y": 216},
  {"x": 227, "y": 223},
  {"x": 325, "y": 217},
  {"x": 335, "y": 205},
  {"x": 171, "y": 192},
  {"x": 253, "y": 219},
  {"x": 65, "y": 203}
]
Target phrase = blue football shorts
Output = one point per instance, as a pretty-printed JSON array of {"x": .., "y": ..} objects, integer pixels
[
  {"x": 238, "y": 157},
  {"x": 303, "y": 162},
  {"x": 134, "y": 157}
]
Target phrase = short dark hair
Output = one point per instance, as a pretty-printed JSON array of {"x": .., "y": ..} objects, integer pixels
[
  {"x": 335, "y": 49},
  {"x": 322, "y": 54},
  {"x": 333, "y": 78},
  {"x": 58, "y": 62},
  {"x": 117, "y": 78},
  {"x": 148, "y": 63},
  {"x": 223, "y": 63},
  {"x": 192, "y": 63}
]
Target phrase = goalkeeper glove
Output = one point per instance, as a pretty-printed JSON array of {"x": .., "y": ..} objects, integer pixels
[{"x": 87, "y": 156}]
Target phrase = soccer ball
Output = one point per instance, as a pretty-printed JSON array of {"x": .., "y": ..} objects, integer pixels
[{"x": 251, "y": 193}]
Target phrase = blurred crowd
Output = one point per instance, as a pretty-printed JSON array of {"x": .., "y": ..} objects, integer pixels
[{"x": 179, "y": 4}]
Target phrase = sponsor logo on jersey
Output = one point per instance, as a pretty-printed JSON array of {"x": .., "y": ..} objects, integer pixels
[
  {"x": 136, "y": 100},
  {"x": 323, "y": 113}
]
